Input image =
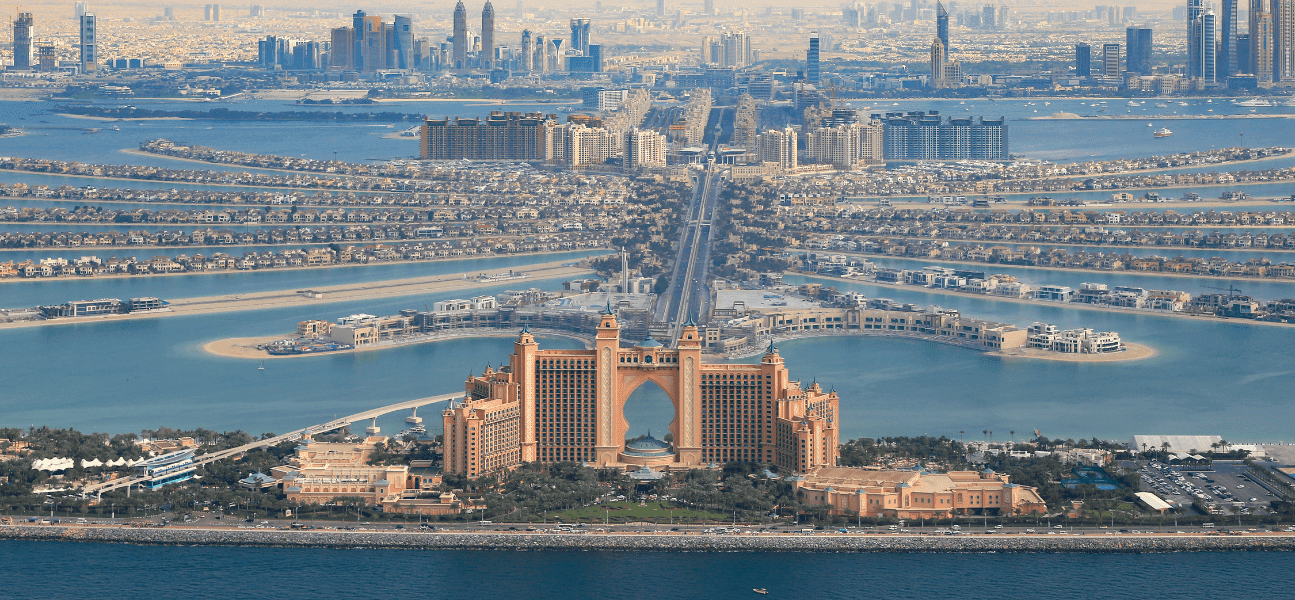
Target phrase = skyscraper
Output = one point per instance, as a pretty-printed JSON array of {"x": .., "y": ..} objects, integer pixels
[
  {"x": 811, "y": 58},
  {"x": 1208, "y": 47},
  {"x": 660, "y": 8},
  {"x": 1194, "y": 38},
  {"x": 460, "y": 36},
  {"x": 942, "y": 25},
  {"x": 937, "y": 63},
  {"x": 708, "y": 7},
  {"x": 89, "y": 44},
  {"x": 488, "y": 37},
  {"x": 357, "y": 38},
  {"x": 1111, "y": 60},
  {"x": 580, "y": 36},
  {"x": 1228, "y": 40},
  {"x": 1083, "y": 60},
  {"x": 541, "y": 57},
  {"x": 527, "y": 60},
  {"x": 987, "y": 16},
  {"x": 403, "y": 42},
  {"x": 22, "y": 29},
  {"x": 1261, "y": 42},
  {"x": 1283, "y": 18},
  {"x": 1138, "y": 42}
]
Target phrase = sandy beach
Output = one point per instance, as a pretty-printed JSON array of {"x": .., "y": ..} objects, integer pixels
[
  {"x": 332, "y": 294},
  {"x": 1131, "y": 352},
  {"x": 247, "y": 347}
]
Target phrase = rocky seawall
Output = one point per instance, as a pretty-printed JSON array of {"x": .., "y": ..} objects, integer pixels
[{"x": 657, "y": 542}]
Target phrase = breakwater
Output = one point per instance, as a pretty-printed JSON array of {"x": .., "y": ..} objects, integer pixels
[{"x": 657, "y": 542}]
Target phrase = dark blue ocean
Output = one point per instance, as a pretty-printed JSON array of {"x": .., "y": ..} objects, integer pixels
[{"x": 109, "y": 571}]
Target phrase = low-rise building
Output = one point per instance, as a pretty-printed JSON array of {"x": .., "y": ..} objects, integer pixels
[{"x": 917, "y": 494}]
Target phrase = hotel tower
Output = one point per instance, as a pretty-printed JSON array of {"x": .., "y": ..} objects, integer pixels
[{"x": 568, "y": 405}]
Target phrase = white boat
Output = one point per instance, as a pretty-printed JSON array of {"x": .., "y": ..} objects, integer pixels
[
  {"x": 1150, "y": 125},
  {"x": 1162, "y": 133},
  {"x": 1288, "y": 103},
  {"x": 1254, "y": 102},
  {"x": 262, "y": 367},
  {"x": 1133, "y": 103},
  {"x": 1161, "y": 105}
]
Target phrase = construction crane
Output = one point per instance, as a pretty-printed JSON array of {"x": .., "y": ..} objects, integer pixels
[{"x": 1231, "y": 290}]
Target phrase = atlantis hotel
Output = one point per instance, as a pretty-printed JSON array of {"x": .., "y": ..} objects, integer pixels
[{"x": 568, "y": 405}]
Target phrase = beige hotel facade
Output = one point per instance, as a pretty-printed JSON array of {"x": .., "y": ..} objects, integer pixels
[{"x": 568, "y": 405}]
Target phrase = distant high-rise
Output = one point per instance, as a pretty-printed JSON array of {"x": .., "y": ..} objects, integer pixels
[
  {"x": 1261, "y": 42},
  {"x": 403, "y": 42},
  {"x": 211, "y": 12},
  {"x": 357, "y": 51},
  {"x": 811, "y": 58},
  {"x": 1194, "y": 9},
  {"x": 942, "y": 25},
  {"x": 541, "y": 56},
  {"x": 987, "y": 16},
  {"x": 1138, "y": 42},
  {"x": 660, "y": 8},
  {"x": 580, "y": 36},
  {"x": 343, "y": 48},
  {"x": 1111, "y": 60},
  {"x": 81, "y": 9},
  {"x": 1283, "y": 18},
  {"x": 487, "y": 37},
  {"x": 89, "y": 44},
  {"x": 526, "y": 62},
  {"x": 1228, "y": 40},
  {"x": 460, "y": 58},
  {"x": 1083, "y": 60},
  {"x": 937, "y": 63},
  {"x": 22, "y": 30},
  {"x": 1208, "y": 43},
  {"x": 708, "y": 7}
]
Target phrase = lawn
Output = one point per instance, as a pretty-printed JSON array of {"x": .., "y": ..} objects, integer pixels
[{"x": 623, "y": 512}]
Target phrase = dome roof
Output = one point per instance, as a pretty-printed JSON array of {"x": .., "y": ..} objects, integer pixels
[
  {"x": 648, "y": 343},
  {"x": 647, "y": 446}
]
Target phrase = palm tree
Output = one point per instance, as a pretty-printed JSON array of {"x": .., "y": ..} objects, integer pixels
[
  {"x": 962, "y": 436},
  {"x": 1013, "y": 433},
  {"x": 984, "y": 432}
]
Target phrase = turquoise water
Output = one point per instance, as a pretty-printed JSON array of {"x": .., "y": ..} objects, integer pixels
[
  {"x": 1211, "y": 377},
  {"x": 127, "y": 375},
  {"x": 112, "y": 572}
]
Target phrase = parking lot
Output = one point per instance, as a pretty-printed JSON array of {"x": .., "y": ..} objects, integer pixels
[{"x": 1225, "y": 487}]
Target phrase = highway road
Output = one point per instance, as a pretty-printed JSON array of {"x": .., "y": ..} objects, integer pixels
[
  {"x": 688, "y": 296},
  {"x": 332, "y": 425}
]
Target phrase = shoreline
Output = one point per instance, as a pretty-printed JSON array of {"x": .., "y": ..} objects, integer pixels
[
  {"x": 246, "y": 347},
  {"x": 1132, "y": 351},
  {"x": 396, "y": 288},
  {"x": 15, "y": 280},
  {"x": 1063, "y": 245},
  {"x": 1074, "y": 305},
  {"x": 93, "y": 118},
  {"x": 523, "y": 541},
  {"x": 990, "y": 266}
]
